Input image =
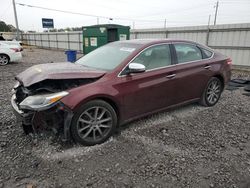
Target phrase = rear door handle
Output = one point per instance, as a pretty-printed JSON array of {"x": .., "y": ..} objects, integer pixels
[
  {"x": 207, "y": 67},
  {"x": 170, "y": 76}
]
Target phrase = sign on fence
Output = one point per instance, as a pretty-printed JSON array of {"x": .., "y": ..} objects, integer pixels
[{"x": 48, "y": 23}]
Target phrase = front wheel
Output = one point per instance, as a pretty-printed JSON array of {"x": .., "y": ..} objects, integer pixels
[
  {"x": 94, "y": 123},
  {"x": 212, "y": 93},
  {"x": 4, "y": 59}
]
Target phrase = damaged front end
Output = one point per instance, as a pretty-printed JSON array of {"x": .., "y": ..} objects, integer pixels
[{"x": 38, "y": 107}]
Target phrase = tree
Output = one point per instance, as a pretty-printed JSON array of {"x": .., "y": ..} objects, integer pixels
[
  {"x": 4, "y": 27},
  {"x": 12, "y": 28}
]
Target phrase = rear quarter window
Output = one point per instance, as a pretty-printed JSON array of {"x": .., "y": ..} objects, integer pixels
[{"x": 206, "y": 53}]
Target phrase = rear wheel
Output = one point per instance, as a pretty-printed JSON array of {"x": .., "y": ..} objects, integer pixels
[
  {"x": 4, "y": 59},
  {"x": 212, "y": 93},
  {"x": 94, "y": 123}
]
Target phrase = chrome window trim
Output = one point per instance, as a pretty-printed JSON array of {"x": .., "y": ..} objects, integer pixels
[
  {"x": 167, "y": 43},
  {"x": 172, "y": 65}
]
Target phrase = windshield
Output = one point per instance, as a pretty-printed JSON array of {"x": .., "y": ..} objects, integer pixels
[{"x": 107, "y": 57}]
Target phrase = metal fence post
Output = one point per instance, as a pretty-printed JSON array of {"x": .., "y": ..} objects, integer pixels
[
  {"x": 135, "y": 35},
  {"x": 166, "y": 34},
  {"x": 35, "y": 39},
  {"x": 79, "y": 39},
  {"x": 49, "y": 40},
  {"x": 56, "y": 41},
  {"x": 28, "y": 39},
  {"x": 68, "y": 42},
  {"x": 41, "y": 39},
  {"x": 207, "y": 37},
  {"x": 21, "y": 36}
]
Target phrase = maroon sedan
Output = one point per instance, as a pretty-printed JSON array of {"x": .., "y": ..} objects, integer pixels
[{"x": 119, "y": 82}]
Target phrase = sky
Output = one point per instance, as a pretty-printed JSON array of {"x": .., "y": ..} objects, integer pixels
[{"x": 138, "y": 14}]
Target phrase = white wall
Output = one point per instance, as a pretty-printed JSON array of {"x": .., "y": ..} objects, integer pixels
[{"x": 232, "y": 40}]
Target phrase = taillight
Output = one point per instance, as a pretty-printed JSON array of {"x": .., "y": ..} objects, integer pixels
[
  {"x": 229, "y": 61},
  {"x": 15, "y": 49}
]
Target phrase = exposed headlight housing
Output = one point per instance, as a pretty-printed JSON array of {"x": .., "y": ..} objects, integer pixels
[{"x": 42, "y": 102}]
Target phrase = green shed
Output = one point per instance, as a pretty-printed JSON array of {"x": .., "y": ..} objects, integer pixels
[{"x": 98, "y": 35}]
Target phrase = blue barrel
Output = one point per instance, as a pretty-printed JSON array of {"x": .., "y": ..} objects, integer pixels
[{"x": 71, "y": 55}]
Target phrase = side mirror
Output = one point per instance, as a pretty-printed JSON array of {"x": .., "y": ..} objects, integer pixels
[{"x": 136, "y": 68}]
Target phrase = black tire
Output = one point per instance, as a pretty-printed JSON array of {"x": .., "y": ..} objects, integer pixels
[
  {"x": 212, "y": 92},
  {"x": 4, "y": 59},
  {"x": 94, "y": 123}
]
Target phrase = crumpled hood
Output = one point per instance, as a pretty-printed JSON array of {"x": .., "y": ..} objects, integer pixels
[{"x": 56, "y": 71}]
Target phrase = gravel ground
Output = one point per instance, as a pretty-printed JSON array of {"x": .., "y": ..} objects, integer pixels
[{"x": 191, "y": 146}]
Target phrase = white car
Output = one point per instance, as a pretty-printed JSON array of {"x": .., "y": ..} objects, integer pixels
[
  {"x": 9, "y": 53},
  {"x": 13, "y": 42}
]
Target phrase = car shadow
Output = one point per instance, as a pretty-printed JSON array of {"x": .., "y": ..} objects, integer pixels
[{"x": 171, "y": 111}]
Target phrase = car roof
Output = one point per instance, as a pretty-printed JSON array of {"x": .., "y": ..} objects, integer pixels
[
  {"x": 149, "y": 42},
  {"x": 154, "y": 41}
]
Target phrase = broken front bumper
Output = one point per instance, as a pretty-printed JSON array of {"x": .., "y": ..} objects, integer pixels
[
  {"x": 24, "y": 118},
  {"x": 29, "y": 119}
]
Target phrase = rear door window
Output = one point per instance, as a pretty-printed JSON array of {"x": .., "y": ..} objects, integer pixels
[{"x": 187, "y": 53}]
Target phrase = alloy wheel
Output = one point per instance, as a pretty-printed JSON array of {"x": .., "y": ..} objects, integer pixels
[
  {"x": 213, "y": 91},
  {"x": 94, "y": 124},
  {"x": 4, "y": 60}
]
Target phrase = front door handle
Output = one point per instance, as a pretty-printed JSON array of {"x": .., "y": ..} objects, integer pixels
[
  {"x": 207, "y": 67},
  {"x": 170, "y": 76}
]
